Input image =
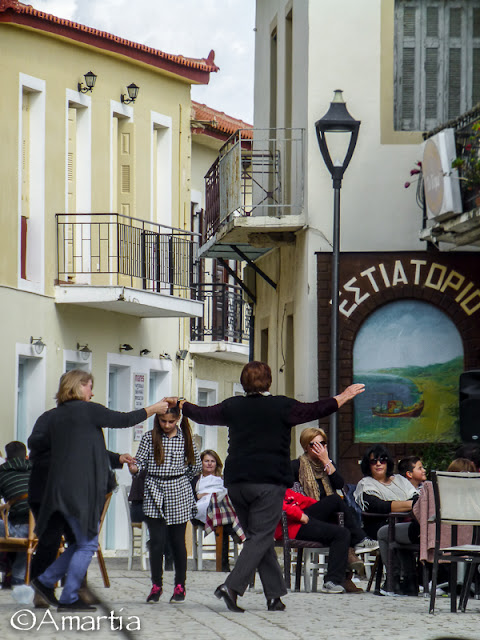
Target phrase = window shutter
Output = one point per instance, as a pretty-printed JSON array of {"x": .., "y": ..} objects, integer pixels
[
  {"x": 71, "y": 160},
  {"x": 437, "y": 61},
  {"x": 126, "y": 192},
  {"x": 454, "y": 82},
  {"x": 25, "y": 155},
  {"x": 431, "y": 84},
  {"x": 476, "y": 56}
]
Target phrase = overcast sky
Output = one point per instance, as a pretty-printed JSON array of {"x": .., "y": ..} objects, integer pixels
[{"x": 188, "y": 27}]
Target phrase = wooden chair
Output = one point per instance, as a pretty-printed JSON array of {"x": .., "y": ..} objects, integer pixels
[
  {"x": 101, "y": 561},
  {"x": 300, "y": 545},
  {"x": 9, "y": 543},
  {"x": 137, "y": 532},
  {"x": 199, "y": 546},
  {"x": 457, "y": 503}
]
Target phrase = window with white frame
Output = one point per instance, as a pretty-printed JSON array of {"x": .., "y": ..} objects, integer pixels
[
  {"x": 206, "y": 436},
  {"x": 31, "y": 183},
  {"x": 437, "y": 61}
]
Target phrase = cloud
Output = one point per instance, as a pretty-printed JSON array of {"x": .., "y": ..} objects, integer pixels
[{"x": 188, "y": 27}]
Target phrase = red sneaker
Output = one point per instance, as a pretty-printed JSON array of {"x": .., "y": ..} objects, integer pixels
[
  {"x": 155, "y": 594},
  {"x": 178, "y": 595}
]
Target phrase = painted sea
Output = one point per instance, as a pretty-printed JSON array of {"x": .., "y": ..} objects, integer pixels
[{"x": 393, "y": 391}]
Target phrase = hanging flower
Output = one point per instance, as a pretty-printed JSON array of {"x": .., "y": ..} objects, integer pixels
[{"x": 416, "y": 171}]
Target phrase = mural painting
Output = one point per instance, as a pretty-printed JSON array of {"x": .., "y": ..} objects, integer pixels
[{"x": 409, "y": 354}]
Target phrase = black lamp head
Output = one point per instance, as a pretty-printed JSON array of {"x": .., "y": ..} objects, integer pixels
[
  {"x": 90, "y": 79},
  {"x": 133, "y": 90},
  {"x": 337, "y": 120}
]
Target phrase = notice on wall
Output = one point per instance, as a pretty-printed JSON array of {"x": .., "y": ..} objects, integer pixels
[{"x": 138, "y": 402}]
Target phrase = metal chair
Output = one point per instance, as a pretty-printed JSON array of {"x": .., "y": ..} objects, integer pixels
[
  {"x": 457, "y": 503},
  {"x": 310, "y": 564},
  {"x": 377, "y": 571}
]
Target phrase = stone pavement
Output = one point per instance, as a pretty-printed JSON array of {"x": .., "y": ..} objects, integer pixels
[{"x": 312, "y": 616}]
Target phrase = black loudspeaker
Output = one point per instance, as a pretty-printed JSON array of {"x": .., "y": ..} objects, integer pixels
[{"x": 470, "y": 406}]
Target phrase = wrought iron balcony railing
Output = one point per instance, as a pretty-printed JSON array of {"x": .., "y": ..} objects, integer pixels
[
  {"x": 262, "y": 176},
  {"x": 111, "y": 249},
  {"x": 226, "y": 315}
]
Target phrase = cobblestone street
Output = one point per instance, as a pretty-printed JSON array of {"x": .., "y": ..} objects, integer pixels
[{"x": 308, "y": 615}]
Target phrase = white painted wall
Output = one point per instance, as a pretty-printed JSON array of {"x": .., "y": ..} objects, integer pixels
[{"x": 377, "y": 213}]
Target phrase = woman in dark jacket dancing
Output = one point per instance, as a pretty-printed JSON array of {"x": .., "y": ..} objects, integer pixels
[
  {"x": 77, "y": 477},
  {"x": 257, "y": 471}
]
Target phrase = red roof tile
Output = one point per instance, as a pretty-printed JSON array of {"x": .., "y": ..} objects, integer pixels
[
  {"x": 218, "y": 121},
  {"x": 196, "y": 70}
]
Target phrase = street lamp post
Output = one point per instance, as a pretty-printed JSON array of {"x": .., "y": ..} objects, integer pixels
[{"x": 336, "y": 120}]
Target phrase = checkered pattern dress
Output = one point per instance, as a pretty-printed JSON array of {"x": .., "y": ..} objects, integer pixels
[{"x": 168, "y": 492}]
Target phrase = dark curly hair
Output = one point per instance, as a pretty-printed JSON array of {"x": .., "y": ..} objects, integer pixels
[{"x": 378, "y": 451}]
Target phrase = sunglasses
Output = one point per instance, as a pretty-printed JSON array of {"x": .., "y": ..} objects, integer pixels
[
  {"x": 312, "y": 444},
  {"x": 381, "y": 459}
]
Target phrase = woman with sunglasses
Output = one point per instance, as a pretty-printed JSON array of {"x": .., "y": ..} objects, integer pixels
[
  {"x": 317, "y": 477},
  {"x": 381, "y": 491}
]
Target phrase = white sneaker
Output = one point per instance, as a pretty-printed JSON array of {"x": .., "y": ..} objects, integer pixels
[
  {"x": 23, "y": 594},
  {"x": 367, "y": 544},
  {"x": 331, "y": 587}
]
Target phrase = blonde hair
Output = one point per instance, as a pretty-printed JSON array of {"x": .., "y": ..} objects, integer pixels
[
  {"x": 309, "y": 434},
  {"x": 462, "y": 464},
  {"x": 214, "y": 454},
  {"x": 71, "y": 383}
]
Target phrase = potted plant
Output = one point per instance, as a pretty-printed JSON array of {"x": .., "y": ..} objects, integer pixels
[{"x": 468, "y": 165}]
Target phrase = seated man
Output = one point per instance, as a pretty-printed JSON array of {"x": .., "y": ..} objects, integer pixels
[{"x": 14, "y": 475}]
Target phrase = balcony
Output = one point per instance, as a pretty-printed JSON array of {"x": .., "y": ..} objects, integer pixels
[
  {"x": 254, "y": 194},
  {"x": 112, "y": 262},
  {"x": 462, "y": 229},
  {"x": 223, "y": 332}
]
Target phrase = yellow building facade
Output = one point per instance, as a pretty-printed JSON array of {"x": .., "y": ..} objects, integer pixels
[{"x": 98, "y": 260}]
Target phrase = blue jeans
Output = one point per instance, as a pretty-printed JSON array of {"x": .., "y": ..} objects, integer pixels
[
  {"x": 71, "y": 564},
  {"x": 19, "y": 565}
]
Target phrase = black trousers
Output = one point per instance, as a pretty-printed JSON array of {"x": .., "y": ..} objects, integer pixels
[
  {"x": 159, "y": 531},
  {"x": 49, "y": 542},
  {"x": 259, "y": 509},
  {"x": 331, "y": 535},
  {"x": 326, "y": 510}
]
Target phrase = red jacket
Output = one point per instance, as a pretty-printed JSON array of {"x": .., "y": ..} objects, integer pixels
[{"x": 293, "y": 504}]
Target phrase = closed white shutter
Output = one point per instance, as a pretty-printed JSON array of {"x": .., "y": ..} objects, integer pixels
[
  {"x": 71, "y": 160},
  {"x": 437, "y": 61},
  {"x": 126, "y": 167},
  {"x": 25, "y": 155}
]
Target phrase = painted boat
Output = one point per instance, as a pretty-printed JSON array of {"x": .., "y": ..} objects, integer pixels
[{"x": 396, "y": 409}]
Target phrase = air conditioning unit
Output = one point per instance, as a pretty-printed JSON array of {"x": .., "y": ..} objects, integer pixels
[{"x": 441, "y": 182}]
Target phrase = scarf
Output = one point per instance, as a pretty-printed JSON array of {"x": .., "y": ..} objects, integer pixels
[
  {"x": 398, "y": 489},
  {"x": 308, "y": 475}
]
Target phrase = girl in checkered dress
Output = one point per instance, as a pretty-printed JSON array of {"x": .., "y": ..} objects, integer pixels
[{"x": 171, "y": 460}]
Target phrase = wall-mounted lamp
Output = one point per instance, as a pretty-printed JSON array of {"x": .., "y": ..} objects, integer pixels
[
  {"x": 144, "y": 352},
  {"x": 90, "y": 79},
  {"x": 132, "y": 94},
  {"x": 37, "y": 344},
  {"x": 182, "y": 354},
  {"x": 84, "y": 350},
  {"x": 125, "y": 347}
]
